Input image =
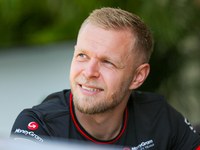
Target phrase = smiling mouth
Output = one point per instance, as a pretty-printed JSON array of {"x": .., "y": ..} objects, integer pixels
[{"x": 90, "y": 89}]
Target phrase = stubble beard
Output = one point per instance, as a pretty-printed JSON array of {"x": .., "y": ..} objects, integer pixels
[{"x": 93, "y": 104}]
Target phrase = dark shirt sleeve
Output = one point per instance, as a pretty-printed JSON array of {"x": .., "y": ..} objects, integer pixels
[
  {"x": 28, "y": 127},
  {"x": 184, "y": 137}
]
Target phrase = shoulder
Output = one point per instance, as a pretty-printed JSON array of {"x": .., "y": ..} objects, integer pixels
[
  {"x": 54, "y": 104},
  {"x": 152, "y": 104},
  {"x": 148, "y": 104},
  {"x": 54, "y": 107},
  {"x": 51, "y": 117}
]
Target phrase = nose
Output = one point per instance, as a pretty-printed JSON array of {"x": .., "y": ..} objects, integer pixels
[{"x": 92, "y": 69}]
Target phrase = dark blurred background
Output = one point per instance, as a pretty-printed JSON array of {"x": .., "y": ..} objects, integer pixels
[{"x": 175, "y": 24}]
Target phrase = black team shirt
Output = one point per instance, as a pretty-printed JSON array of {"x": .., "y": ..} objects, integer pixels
[{"x": 149, "y": 123}]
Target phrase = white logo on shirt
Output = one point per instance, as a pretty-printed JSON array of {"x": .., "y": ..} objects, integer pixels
[
  {"x": 31, "y": 133},
  {"x": 144, "y": 145}
]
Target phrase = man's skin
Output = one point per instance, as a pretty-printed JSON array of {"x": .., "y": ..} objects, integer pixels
[{"x": 104, "y": 70}]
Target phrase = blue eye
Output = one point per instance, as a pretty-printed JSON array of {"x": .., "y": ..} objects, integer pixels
[
  {"x": 82, "y": 55},
  {"x": 108, "y": 63}
]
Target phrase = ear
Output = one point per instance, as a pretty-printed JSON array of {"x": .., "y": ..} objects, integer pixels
[
  {"x": 140, "y": 75},
  {"x": 75, "y": 46}
]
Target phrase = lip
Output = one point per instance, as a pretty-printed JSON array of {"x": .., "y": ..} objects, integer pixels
[{"x": 87, "y": 92}]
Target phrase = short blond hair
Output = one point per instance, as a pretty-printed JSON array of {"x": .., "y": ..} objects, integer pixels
[{"x": 115, "y": 18}]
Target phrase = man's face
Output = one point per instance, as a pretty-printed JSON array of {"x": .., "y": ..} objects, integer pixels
[{"x": 102, "y": 69}]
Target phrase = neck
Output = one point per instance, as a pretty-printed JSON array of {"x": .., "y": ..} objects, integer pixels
[{"x": 104, "y": 126}]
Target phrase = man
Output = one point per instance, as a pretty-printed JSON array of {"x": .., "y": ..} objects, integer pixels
[{"x": 110, "y": 61}]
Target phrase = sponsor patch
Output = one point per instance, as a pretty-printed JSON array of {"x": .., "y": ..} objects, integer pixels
[
  {"x": 144, "y": 145},
  {"x": 32, "y": 125},
  {"x": 31, "y": 133}
]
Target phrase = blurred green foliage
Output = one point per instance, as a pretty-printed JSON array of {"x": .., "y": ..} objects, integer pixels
[
  {"x": 175, "y": 26},
  {"x": 35, "y": 22}
]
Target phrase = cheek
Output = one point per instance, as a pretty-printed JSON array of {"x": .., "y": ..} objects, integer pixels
[
  {"x": 112, "y": 80},
  {"x": 73, "y": 74},
  {"x": 75, "y": 69}
]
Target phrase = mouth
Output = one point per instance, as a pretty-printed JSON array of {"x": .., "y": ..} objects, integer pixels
[{"x": 91, "y": 89}]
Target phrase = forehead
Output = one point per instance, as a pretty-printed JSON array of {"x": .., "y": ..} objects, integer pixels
[{"x": 118, "y": 39}]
